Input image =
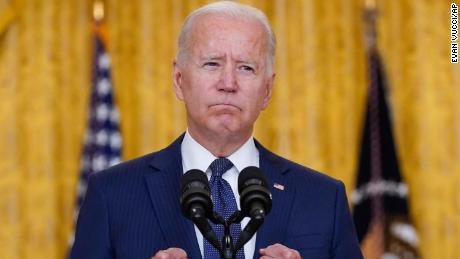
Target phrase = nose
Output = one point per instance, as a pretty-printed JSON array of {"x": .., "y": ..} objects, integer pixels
[{"x": 228, "y": 80}]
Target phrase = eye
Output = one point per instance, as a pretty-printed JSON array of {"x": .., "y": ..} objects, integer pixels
[
  {"x": 210, "y": 64},
  {"x": 247, "y": 68}
]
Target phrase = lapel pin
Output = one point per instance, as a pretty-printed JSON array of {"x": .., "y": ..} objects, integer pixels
[{"x": 279, "y": 186}]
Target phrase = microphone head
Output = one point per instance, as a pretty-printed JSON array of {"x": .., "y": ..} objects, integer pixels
[
  {"x": 249, "y": 176},
  {"x": 255, "y": 198},
  {"x": 193, "y": 175},
  {"x": 195, "y": 194}
]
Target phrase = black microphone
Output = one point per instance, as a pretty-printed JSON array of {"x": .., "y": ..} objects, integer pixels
[
  {"x": 196, "y": 203},
  {"x": 196, "y": 194},
  {"x": 255, "y": 201},
  {"x": 255, "y": 198}
]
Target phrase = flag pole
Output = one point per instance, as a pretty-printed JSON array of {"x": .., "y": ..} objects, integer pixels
[
  {"x": 98, "y": 10},
  {"x": 370, "y": 18}
]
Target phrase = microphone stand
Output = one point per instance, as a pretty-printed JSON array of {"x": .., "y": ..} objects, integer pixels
[{"x": 227, "y": 249}]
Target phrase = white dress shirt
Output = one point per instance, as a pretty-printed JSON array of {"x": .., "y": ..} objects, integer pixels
[{"x": 195, "y": 156}]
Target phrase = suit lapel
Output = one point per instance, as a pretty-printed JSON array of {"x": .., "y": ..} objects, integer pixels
[
  {"x": 163, "y": 185},
  {"x": 274, "y": 228}
]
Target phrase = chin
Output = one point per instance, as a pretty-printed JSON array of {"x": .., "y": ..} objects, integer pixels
[{"x": 224, "y": 126}]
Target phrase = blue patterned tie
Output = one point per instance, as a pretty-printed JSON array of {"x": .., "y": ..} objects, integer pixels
[{"x": 224, "y": 204}]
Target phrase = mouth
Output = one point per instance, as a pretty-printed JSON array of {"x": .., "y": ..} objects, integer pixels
[{"x": 225, "y": 106}]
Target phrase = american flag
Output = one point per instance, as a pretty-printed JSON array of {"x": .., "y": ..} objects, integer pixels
[{"x": 102, "y": 143}]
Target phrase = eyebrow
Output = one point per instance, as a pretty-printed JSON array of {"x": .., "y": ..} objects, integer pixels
[{"x": 212, "y": 58}]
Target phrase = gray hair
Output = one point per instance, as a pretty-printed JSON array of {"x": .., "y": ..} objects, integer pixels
[{"x": 231, "y": 9}]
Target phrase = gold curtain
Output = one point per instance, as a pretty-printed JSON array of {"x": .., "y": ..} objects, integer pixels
[
  {"x": 44, "y": 72},
  {"x": 315, "y": 116}
]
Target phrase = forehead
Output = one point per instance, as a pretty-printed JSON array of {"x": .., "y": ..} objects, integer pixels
[{"x": 223, "y": 33}]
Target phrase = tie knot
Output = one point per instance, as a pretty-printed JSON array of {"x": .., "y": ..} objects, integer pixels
[{"x": 220, "y": 166}]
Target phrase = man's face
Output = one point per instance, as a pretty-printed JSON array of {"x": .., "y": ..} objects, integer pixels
[{"x": 223, "y": 80}]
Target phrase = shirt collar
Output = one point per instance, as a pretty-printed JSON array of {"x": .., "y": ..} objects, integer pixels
[
  {"x": 246, "y": 155},
  {"x": 195, "y": 156}
]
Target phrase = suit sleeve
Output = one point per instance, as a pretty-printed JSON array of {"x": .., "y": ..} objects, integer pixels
[
  {"x": 345, "y": 242},
  {"x": 92, "y": 238}
]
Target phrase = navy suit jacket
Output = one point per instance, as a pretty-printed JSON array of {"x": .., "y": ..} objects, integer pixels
[{"x": 132, "y": 210}]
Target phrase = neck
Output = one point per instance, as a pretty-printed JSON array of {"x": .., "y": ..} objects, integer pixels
[{"x": 220, "y": 144}]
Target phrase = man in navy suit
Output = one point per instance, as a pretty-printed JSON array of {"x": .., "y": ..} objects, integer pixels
[{"x": 223, "y": 73}]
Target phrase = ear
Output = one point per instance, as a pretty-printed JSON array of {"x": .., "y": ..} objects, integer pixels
[
  {"x": 268, "y": 90},
  {"x": 177, "y": 80}
]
